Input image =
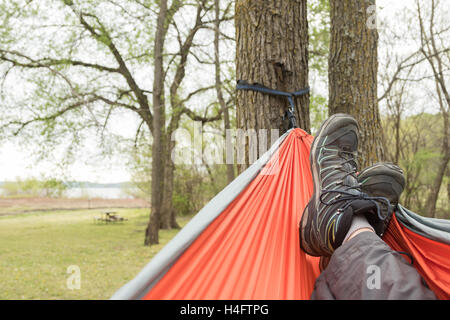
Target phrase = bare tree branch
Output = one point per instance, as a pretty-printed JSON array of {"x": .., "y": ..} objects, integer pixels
[
  {"x": 53, "y": 116},
  {"x": 49, "y": 62}
]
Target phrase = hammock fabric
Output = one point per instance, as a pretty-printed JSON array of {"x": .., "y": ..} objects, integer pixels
[{"x": 244, "y": 244}]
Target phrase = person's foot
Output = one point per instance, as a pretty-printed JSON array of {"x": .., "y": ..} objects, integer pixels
[
  {"x": 379, "y": 180},
  {"x": 337, "y": 195},
  {"x": 383, "y": 180}
]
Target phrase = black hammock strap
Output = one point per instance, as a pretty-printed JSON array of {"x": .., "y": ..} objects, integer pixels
[{"x": 244, "y": 85}]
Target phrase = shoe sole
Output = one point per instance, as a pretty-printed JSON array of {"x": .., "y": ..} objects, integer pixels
[{"x": 306, "y": 217}]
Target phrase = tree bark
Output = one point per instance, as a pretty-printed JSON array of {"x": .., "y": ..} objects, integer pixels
[
  {"x": 272, "y": 50},
  {"x": 168, "y": 218},
  {"x": 151, "y": 233},
  {"x": 352, "y": 73}
]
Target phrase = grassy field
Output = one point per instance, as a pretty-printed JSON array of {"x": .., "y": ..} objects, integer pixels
[{"x": 36, "y": 250}]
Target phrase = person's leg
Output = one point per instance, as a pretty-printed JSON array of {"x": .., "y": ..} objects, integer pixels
[
  {"x": 360, "y": 260},
  {"x": 365, "y": 267}
]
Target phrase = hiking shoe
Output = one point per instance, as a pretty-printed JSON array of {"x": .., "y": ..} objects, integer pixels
[
  {"x": 337, "y": 195},
  {"x": 382, "y": 180}
]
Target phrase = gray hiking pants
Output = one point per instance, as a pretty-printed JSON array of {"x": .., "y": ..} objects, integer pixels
[{"x": 366, "y": 268}]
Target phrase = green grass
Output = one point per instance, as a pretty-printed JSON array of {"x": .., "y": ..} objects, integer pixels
[{"x": 36, "y": 250}]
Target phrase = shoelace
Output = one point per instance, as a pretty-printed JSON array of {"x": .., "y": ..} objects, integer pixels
[
  {"x": 349, "y": 173},
  {"x": 350, "y": 197},
  {"x": 339, "y": 167}
]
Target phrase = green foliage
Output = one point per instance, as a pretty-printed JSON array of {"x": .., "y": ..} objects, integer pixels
[
  {"x": 319, "y": 40},
  {"x": 140, "y": 167},
  {"x": 49, "y": 34},
  {"x": 28, "y": 187},
  {"x": 182, "y": 203},
  {"x": 194, "y": 187},
  {"x": 319, "y": 35},
  {"x": 194, "y": 184},
  {"x": 187, "y": 185},
  {"x": 420, "y": 152},
  {"x": 33, "y": 187},
  {"x": 318, "y": 108},
  {"x": 53, "y": 187}
]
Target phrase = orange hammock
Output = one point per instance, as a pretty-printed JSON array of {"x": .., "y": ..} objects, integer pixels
[{"x": 245, "y": 245}]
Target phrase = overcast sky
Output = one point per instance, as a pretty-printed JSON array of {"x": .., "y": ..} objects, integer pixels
[{"x": 15, "y": 160}]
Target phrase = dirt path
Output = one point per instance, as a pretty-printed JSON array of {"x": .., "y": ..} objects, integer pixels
[{"x": 10, "y": 206}]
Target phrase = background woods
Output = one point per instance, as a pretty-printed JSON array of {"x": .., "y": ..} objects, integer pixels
[{"x": 122, "y": 78}]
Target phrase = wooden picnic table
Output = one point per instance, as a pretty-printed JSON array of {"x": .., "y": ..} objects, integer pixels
[{"x": 109, "y": 216}]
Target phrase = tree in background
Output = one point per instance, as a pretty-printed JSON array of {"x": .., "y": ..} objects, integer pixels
[
  {"x": 352, "y": 70},
  {"x": 433, "y": 43},
  {"x": 157, "y": 126},
  {"x": 43, "y": 187},
  {"x": 84, "y": 63},
  {"x": 414, "y": 82},
  {"x": 272, "y": 50},
  {"x": 219, "y": 85},
  {"x": 319, "y": 43}
]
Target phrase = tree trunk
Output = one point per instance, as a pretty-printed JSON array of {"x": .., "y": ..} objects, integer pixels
[
  {"x": 397, "y": 139},
  {"x": 272, "y": 50},
  {"x": 352, "y": 73},
  {"x": 168, "y": 217},
  {"x": 443, "y": 164},
  {"x": 167, "y": 214},
  {"x": 436, "y": 187},
  {"x": 223, "y": 105},
  {"x": 166, "y": 205},
  {"x": 151, "y": 233}
]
